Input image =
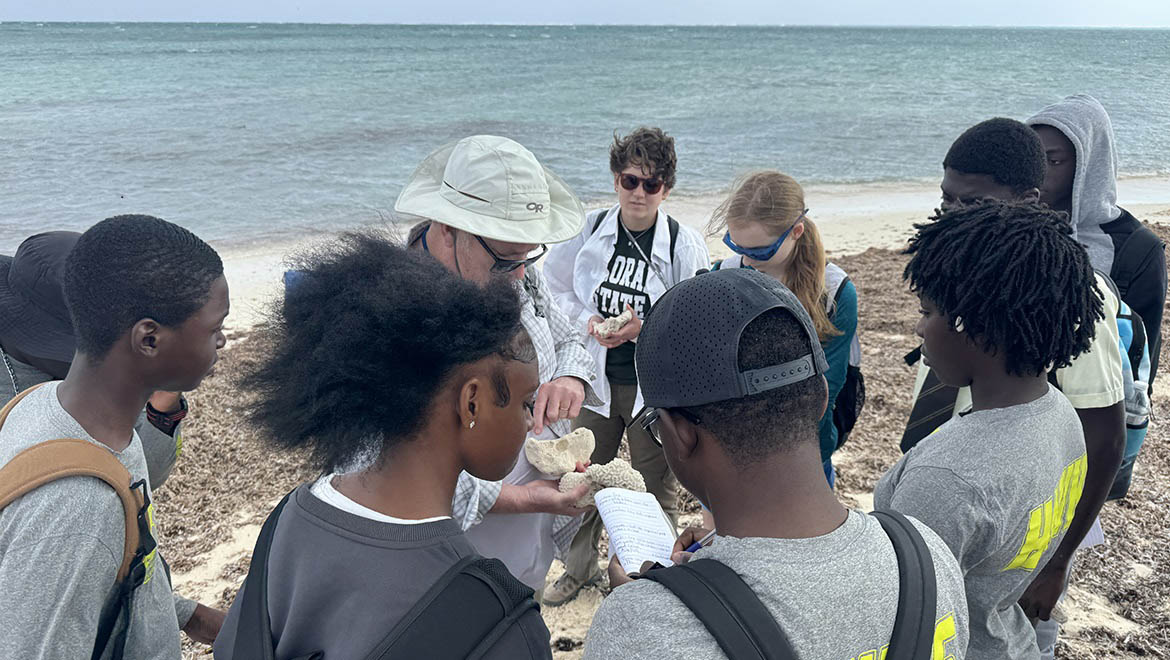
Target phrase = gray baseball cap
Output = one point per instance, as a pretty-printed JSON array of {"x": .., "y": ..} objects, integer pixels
[{"x": 688, "y": 348}]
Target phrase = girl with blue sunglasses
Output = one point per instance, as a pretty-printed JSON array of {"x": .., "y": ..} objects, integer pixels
[{"x": 765, "y": 223}]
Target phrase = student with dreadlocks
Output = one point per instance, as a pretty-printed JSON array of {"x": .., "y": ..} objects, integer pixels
[
  {"x": 1006, "y": 294},
  {"x": 1004, "y": 159}
]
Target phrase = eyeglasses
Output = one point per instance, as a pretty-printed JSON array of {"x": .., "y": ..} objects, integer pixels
[
  {"x": 651, "y": 185},
  {"x": 509, "y": 265},
  {"x": 764, "y": 252},
  {"x": 649, "y": 421}
]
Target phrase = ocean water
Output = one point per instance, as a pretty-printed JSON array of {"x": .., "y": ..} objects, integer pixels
[{"x": 250, "y": 133}]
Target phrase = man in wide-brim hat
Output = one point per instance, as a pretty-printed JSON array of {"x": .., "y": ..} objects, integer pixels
[{"x": 491, "y": 209}]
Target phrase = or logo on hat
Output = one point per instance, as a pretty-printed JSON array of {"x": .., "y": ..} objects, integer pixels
[{"x": 493, "y": 187}]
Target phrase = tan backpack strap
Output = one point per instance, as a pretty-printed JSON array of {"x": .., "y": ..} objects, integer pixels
[
  {"x": 68, "y": 457},
  {"x": 13, "y": 401}
]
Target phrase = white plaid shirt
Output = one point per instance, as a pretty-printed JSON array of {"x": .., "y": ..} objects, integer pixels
[{"x": 560, "y": 352}]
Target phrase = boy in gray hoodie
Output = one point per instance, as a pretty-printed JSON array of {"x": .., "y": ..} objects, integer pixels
[{"x": 1081, "y": 180}]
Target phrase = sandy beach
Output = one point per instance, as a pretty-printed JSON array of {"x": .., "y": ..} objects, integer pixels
[{"x": 228, "y": 479}]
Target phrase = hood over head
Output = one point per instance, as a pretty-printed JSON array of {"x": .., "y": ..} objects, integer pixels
[{"x": 1085, "y": 123}]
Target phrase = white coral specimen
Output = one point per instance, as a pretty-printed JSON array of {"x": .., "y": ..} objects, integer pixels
[
  {"x": 617, "y": 473},
  {"x": 560, "y": 455},
  {"x": 613, "y": 324}
]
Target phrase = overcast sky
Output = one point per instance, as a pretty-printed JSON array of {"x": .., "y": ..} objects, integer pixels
[{"x": 1095, "y": 13}]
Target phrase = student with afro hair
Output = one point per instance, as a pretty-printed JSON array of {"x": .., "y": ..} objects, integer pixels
[
  {"x": 1006, "y": 294},
  {"x": 382, "y": 358}
]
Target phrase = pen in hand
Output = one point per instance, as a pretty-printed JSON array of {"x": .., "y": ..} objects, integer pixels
[{"x": 701, "y": 543}]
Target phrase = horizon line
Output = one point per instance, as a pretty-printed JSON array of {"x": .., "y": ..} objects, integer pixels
[{"x": 546, "y": 25}]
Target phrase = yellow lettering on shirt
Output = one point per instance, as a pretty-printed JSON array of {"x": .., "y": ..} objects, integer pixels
[
  {"x": 944, "y": 634},
  {"x": 148, "y": 560},
  {"x": 1052, "y": 518}
]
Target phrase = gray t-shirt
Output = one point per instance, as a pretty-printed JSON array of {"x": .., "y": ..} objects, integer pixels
[
  {"x": 835, "y": 596},
  {"x": 60, "y": 549},
  {"x": 1000, "y": 487}
]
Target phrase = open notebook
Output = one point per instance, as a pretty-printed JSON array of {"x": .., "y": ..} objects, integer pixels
[{"x": 639, "y": 530}]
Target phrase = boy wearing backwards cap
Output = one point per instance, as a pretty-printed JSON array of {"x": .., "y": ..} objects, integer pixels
[{"x": 752, "y": 455}]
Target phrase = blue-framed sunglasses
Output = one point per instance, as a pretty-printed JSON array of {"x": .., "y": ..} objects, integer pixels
[{"x": 765, "y": 252}]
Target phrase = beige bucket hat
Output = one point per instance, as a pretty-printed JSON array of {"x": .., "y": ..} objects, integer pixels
[{"x": 493, "y": 187}]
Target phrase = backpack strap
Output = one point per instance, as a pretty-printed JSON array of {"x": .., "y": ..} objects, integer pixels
[
  {"x": 51, "y": 460},
  {"x": 254, "y": 628},
  {"x": 1126, "y": 312},
  {"x": 913, "y": 636},
  {"x": 462, "y": 615},
  {"x": 1132, "y": 255},
  {"x": 835, "y": 279},
  {"x": 1109, "y": 283},
  {"x": 672, "y": 224},
  {"x": 68, "y": 457},
  {"x": 598, "y": 220},
  {"x": 727, "y": 606}
]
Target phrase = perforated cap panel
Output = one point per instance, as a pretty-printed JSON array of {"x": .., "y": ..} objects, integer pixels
[{"x": 687, "y": 352}]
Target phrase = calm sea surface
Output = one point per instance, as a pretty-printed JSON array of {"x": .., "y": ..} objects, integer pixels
[{"x": 247, "y": 133}]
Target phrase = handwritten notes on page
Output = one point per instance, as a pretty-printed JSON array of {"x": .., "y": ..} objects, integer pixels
[{"x": 639, "y": 530}]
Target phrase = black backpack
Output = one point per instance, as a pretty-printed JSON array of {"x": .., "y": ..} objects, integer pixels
[
  {"x": 462, "y": 615},
  {"x": 851, "y": 397},
  {"x": 745, "y": 629}
]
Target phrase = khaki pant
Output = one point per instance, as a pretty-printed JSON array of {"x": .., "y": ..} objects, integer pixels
[{"x": 646, "y": 457}]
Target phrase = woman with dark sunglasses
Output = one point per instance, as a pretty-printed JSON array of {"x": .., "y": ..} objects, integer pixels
[
  {"x": 765, "y": 223},
  {"x": 625, "y": 258}
]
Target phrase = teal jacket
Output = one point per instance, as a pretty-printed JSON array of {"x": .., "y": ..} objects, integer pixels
[{"x": 837, "y": 354}]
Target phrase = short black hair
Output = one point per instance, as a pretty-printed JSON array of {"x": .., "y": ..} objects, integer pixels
[
  {"x": 1024, "y": 287},
  {"x": 132, "y": 267},
  {"x": 365, "y": 340},
  {"x": 645, "y": 147},
  {"x": 1004, "y": 149},
  {"x": 755, "y": 426}
]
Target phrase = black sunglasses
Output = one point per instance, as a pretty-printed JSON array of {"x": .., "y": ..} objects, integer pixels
[
  {"x": 651, "y": 185},
  {"x": 509, "y": 265},
  {"x": 649, "y": 421}
]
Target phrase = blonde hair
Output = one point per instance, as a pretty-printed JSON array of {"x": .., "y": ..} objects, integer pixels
[{"x": 776, "y": 201}]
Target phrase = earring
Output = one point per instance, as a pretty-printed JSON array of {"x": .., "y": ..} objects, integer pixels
[
  {"x": 471, "y": 425},
  {"x": 958, "y": 324}
]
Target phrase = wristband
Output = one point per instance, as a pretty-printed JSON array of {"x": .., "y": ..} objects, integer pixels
[{"x": 166, "y": 422}]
